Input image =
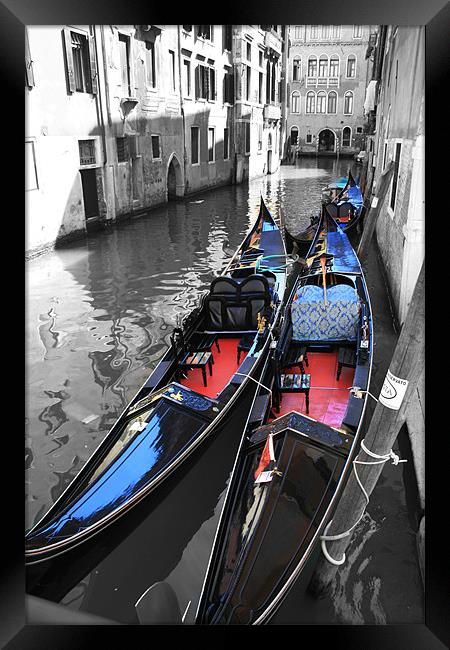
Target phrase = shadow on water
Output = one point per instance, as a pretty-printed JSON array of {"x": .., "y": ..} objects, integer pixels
[{"x": 99, "y": 316}]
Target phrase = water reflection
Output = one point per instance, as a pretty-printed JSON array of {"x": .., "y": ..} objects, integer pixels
[{"x": 100, "y": 312}]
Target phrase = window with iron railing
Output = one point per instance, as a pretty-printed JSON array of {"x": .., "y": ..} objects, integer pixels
[
  {"x": 123, "y": 154},
  {"x": 87, "y": 152}
]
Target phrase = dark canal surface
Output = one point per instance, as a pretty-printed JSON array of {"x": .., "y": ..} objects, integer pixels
[{"x": 99, "y": 314}]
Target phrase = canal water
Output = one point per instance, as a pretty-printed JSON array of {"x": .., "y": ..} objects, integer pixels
[{"x": 99, "y": 313}]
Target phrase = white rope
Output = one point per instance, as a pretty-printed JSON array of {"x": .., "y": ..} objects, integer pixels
[
  {"x": 379, "y": 459},
  {"x": 241, "y": 374}
]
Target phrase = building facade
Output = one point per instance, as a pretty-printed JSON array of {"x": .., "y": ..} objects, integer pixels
[
  {"x": 258, "y": 126},
  {"x": 395, "y": 112},
  {"x": 326, "y": 81},
  {"x": 120, "y": 119}
]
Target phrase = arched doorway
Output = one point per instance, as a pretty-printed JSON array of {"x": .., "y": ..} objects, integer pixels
[
  {"x": 175, "y": 187},
  {"x": 326, "y": 141}
]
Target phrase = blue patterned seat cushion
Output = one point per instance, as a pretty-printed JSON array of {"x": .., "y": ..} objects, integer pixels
[{"x": 312, "y": 320}]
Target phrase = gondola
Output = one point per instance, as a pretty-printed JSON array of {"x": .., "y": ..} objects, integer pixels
[
  {"x": 300, "y": 437},
  {"x": 301, "y": 243},
  {"x": 343, "y": 200},
  {"x": 216, "y": 353}
]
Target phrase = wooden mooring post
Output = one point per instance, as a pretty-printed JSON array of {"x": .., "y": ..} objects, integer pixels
[
  {"x": 398, "y": 389},
  {"x": 375, "y": 207}
]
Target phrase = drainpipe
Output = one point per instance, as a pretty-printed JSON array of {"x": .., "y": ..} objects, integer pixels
[
  {"x": 98, "y": 99},
  {"x": 108, "y": 109},
  {"x": 183, "y": 120}
]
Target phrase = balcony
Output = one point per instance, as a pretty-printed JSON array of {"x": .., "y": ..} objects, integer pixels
[
  {"x": 322, "y": 82},
  {"x": 272, "y": 112},
  {"x": 272, "y": 42}
]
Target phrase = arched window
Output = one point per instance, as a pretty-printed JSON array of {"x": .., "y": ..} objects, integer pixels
[
  {"x": 312, "y": 66},
  {"x": 294, "y": 135},
  {"x": 321, "y": 106},
  {"x": 346, "y": 136},
  {"x": 323, "y": 65},
  {"x": 295, "y": 102},
  {"x": 296, "y": 69},
  {"x": 310, "y": 102},
  {"x": 351, "y": 65},
  {"x": 332, "y": 102},
  {"x": 348, "y": 103},
  {"x": 334, "y": 66}
]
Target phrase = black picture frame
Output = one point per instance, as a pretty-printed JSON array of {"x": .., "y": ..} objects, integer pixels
[{"x": 434, "y": 14}]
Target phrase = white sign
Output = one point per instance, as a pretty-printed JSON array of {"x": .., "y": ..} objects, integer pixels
[
  {"x": 393, "y": 391},
  {"x": 374, "y": 201},
  {"x": 264, "y": 477}
]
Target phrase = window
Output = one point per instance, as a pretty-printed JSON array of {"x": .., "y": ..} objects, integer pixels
[
  {"x": 310, "y": 102},
  {"x": 186, "y": 77},
  {"x": 295, "y": 102},
  {"x": 321, "y": 105},
  {"x": 247, "y": 137},
  {"x": 156, "y": 149},
  {"x": 205, "y": 82},
  {"x": 228, "y": 87},
  {"x": 80, "y": 61},
  {"x": 294, "y": 135},
  {"x": 296, "y": 69},
  {"x": 297, "y": 31},
  {"x": 226, "y": 144},
  {"x": 87, "y": 152},
  {"x": 357, "y": 31},
  {"x": 309, "y": 138},
  {"x": 351, "y": 66},
  {"x": 29, "y": 76},
  {"x": 323, "y": 66},
  {"x": 122, "y": 150},
  {"x": 172, "y": 70},
  {"x": 150, "y": 64},
  {"x": 335, "y": 31},
  {"x": 261, "y": 57},
  {"x": 314, "y": 31},
  {"x": 187, "y": 28},
  {"x": 268, "y": 71},
  {"x": 260, "y": 88},
  {"x": 260, "y": 137},
  {"x": 248, "y": 82},
  {"x": 195, "y": 145},
  {"x": 273, "y": 83},
  {"x": 312, "y": 66},
  {"x": 205, "y": 31},
  {"x": 124, "y": 51},
  {"x": 211, "y": 145},
  {"x": 325, "y": 31},
  {"x": 346, "y": 136},
  {"x": 227, "y": 37},
  {"x": 249, "y": 51},
  {"x": 31, "y": 180},
  {"x": 332, "y": 102},
  {"x": 334, "y": 66},
  {"x": 348, "y": 103},
  {"x": 359, "y": 129},
  {"x": 398, "y": 150}
]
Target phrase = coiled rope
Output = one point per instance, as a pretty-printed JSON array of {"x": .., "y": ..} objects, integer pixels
[{"x": 379, "y": 459}]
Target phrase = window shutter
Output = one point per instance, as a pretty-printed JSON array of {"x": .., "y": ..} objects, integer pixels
[
  {"x": 213, "y": 83},
  {"x": 67, "y": 40},
  {"x": 93, "y": 66},
  {"x": 206, "y": 83},
  {"x": 197, "y": 82},
  {"x": 29, "y": 76}
]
